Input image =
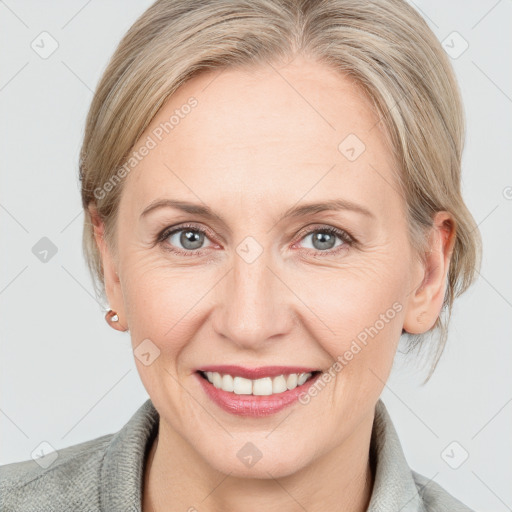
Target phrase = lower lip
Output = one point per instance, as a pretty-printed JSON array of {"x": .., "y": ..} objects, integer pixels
[{"x": 254, "y": 405}]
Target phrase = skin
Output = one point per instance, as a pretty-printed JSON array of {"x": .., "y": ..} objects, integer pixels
[{"x": 252, "y": 148}]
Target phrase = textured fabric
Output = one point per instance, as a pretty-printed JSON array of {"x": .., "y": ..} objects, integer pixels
[{"x": 107, "y": 473}]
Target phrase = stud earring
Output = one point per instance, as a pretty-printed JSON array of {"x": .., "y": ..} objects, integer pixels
[
  {"x": 112, "y": 316},
  {"x": 112, "y": 319}
]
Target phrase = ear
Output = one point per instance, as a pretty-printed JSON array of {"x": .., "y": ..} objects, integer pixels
[
  {"x": 110, "y": 270},
  {"x": 426, "y": 301}
]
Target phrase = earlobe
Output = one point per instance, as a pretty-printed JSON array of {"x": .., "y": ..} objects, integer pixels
[
  {"x": 112, "y": 319},
  {"x": 426, "y": 300}
]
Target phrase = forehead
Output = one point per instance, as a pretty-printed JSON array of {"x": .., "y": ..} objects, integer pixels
[{"x": 263, "y": 132}]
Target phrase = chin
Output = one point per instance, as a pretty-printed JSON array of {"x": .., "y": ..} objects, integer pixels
[{"x": 260, "y": 458}]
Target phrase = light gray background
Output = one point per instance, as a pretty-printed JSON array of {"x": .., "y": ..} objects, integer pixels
[{"x": 66, "y": 377}]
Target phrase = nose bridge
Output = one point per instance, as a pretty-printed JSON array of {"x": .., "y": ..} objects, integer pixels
[{"x": 251, "y": 300}]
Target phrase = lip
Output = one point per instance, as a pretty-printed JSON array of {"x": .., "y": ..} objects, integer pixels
[
  {"x": 256, "y": 373},
  {"x": 254, "y": 405}
]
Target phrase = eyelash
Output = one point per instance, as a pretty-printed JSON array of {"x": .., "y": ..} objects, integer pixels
[{"x": 346, "y": 237}]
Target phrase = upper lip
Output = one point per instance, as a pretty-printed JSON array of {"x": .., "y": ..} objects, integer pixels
[{"x": 256, "y": 373}]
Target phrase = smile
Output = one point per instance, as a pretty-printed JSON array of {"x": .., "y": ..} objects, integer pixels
[
  {"x": 255, "y": 392},
  {"x": 263, "y": 387}
]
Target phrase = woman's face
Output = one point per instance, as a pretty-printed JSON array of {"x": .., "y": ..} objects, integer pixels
[{"x": 258, "y": 281}]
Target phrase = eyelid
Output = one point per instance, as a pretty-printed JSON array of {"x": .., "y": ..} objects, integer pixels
[
  {"x": 168, "y": 231},
  {"x": 346, "y": 237},
  {"x": 341, "y": 233}
]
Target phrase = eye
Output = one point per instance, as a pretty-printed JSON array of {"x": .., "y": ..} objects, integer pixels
[
  {"x": 189, "y": 240},
  {"x": 323, "y": 239},
  {"x": 184, "y": 239}
]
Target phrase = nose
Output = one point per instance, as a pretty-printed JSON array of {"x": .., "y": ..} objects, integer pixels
[{"x": 253, "y": 305}]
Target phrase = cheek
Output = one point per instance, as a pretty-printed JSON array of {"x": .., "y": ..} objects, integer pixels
[
  {"x": 162, "y": 300},
  {"x": 162, "y": 304},
  {"x": 357, "y": 319},
  {"x": 355, "y": 312},
  {"x": 357, "y": 300}
]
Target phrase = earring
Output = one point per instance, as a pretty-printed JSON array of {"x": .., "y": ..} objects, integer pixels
[
  {"x": 111, "y": 316},
  {"x": 112, "y": 319}
]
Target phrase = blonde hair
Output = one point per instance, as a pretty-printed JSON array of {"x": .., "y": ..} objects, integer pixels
[{"x": 385, "y": 46}]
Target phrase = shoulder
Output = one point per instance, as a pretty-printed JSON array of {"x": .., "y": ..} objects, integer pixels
[
  {"x": 435, "y": 498},
  {"x": 104, "y": 473},
  {"x": 68, "y": 479}
]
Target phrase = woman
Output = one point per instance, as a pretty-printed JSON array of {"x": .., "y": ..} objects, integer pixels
[{"x": 272, "y": 198}]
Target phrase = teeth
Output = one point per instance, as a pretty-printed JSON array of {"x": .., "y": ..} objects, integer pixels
[
  {"x": 279, "y": 384},
  {"x": 264, "y": 386},
  {"x": 217, "y": 380},
  {"x": 303, "y": 377},
  {"x": 241, "y": 386},
  {"x": 291, "y": 381},
  {"x": 227, "y": 383}
]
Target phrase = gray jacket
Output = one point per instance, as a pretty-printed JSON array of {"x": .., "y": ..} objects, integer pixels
[{"x": 106, "y": 474}]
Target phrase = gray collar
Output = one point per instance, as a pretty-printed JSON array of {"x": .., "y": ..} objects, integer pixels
[
  {"x": 122, "y": 471},
  {"x": 394, "y": 487}
]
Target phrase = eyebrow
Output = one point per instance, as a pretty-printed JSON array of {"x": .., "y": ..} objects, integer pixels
[
  {"x": 330, "y": 205},
  {"x": 295, "y": 211},
  {"x": 185, "y": 206}
]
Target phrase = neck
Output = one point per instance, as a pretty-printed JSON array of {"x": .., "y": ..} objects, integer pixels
[{"x": 176, "y": 478}]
